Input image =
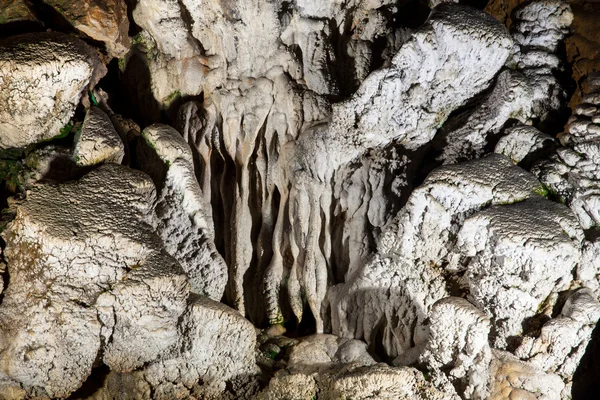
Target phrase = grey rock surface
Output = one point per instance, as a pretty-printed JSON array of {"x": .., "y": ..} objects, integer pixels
[
  {"x": 42, "y": 77},
  {"x": 97, "y": 141}
]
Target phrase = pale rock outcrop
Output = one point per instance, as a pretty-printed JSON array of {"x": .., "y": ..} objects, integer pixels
[
  {"x": 588, "y": 270},
  {"x": 406, "y": 103},
  {"x": 563, "y": 340},
  {"x": 70, "y": 248},
  {"x": 193, "y": 46},
  {"x": 102, "y": 20},
  {"x": 97, "y": 141},
  {"x": 517, "y": 255},
  {"x": 414, "y": 96},
  {"x": 571, "y": 174},
  {"x": 458, "y": 349},
  {"x": 331, "y": 367},
  {"x": 388, "y": 299},
  {"x": 511, "y": 98},
  {"x": 512, "y": 378},
  {"x": 184, "y": 218},
  {"x": 140, "y": 314},
  {"x": 378, "y": 381},
  {"x": 215, "y": 344},
  {"x": 530, "y": 91},
  {"x": 320, "y": 351},
  {"x": 42, "y": 77},
  {"x": 538, "y": 29},
  {"x": 524, "y": 144},
  {"x": 368, "y": 193},
  {"x": 458, "y": 342}
]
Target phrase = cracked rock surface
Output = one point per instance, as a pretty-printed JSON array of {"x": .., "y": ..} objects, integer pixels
[
  {"x": 34, "y": 68},
  {"x": 245, "y": 199}
]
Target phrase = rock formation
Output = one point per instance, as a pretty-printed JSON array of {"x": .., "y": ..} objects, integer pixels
[{"x": 250, "y": 199}]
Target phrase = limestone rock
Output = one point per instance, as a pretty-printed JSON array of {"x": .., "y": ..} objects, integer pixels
[
  {"x": 532, "y": 91},
  {"x": 458, "y": 342},
  {"x": 512, "y": 378},
  {"x": 404, "y": 103},
  {"x": 140, "y": 314},
  {"x": 425, "y": 74},
  {"x": 511, "y": 98},
  {"x": 564, "y": 339},
  {"x": 42, "y": 77},
  {"x": 215, "y": 345},
  {"x": 97, "y": 141},
  {"x": 379, "y": 381},
  {"x": 538, "y": 29},
  {"x": 518, "y": 254},
  {"x": 337, "y": 368},
  {"x": 571, "y": 174},
  {"x": 321, "y": 352},
  {"x": 70, "y": 247},
  {"x": 102, "y": 20},
  {"x": 407, "y": 274},
  {"x": 184, "y": 217},
  {"x": 525, "y": 144}
]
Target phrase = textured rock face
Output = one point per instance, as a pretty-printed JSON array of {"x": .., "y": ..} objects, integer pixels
[
  {"x": 573, "y": 326},
  {"x": 86, "y": 273},
  {"x": 42, "y": 77},
  {"x": 184, "y": 217},
  {"x": 97, "y": 141},
  {"x": 335, "y": 368},
  {"x": 102, "y": 20},
  {"x": 571, "y": 173},
  {"x": 518, "y": 255},
  {"x": 352, "y": 171},
  {"x": 458, "y": 339},
  {"x": 214, "y": 345},
  {"x": 16, "y": 11},
  {"x": 525, "y": 144},
  {"x": 406, "y": 275}
]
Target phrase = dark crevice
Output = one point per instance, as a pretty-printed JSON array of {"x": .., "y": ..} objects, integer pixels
[
  {"x": 586, "y": 380},
  {"x": 92, "y": 384}
]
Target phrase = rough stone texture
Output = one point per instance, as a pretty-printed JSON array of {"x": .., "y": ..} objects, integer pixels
[
  {"x": 320, "y": 352},
  {"x": 194, "y": 46},
  {"x": 406, "y": 275},
  {"x": 102, "y": 20},
  {"x": 97, "y": 141},
  {"x": 538, "y": 30},
  {"x": 511, "y": 98},
  {"x": 16, "y": 11},
  {"x": 532, "y": 91},
  {"x": 375, "y": 116},
  {"x": 571, "y": 174},
  {"x": 263, "y": 123},
  {"x": 517, "y": 255},
  {"x": 184, "y": 217},
  {"x": 525, "y": 144},
  {"x": 424, "y": 75},
  {"x": 563, "y": 340},
  {"x": 583, "y": 46},
  {"x": 458, "y": 342},
  {"x": 42, "y": 77},
  {"x": 512, "y": 378},
  {"x": 305, "y": 128},
  {"x": 215, "y": 344},
  {"x": 329, "y": 367},
  {"x": 69, "y": 249}
]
